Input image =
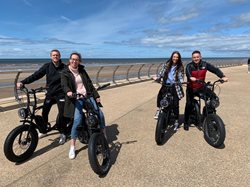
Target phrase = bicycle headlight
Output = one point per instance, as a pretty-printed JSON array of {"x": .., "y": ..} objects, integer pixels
[
  {"x": 214, "y": 103},
  {"x": 92, "y": 121},
  {"x": 23, "y": 113},
  {"x": 164, "y": 102}
]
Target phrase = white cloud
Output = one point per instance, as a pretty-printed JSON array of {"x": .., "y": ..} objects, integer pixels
[
  {"x": 245, "y": 17},
  {"x": 19, "y": 41},
  {"x": 95, "y": 28},
  {"x": 237, "y": 43},
  {"x": 66, "y": 18},
  {"x": 27, "y": 3},
  {"x": 178, "y": 18}
]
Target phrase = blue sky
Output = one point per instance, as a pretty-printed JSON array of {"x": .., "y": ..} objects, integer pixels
[{"x": 124, "y": 28}]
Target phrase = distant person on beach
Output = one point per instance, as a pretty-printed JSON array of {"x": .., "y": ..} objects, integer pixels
[
  {"x": 171, "y": 72},
  {"x": 55, "y": 94},
  {"x": 196, "y": 70},
  {"x": 248, "y": 62},
  {"x": 75, "y": 79}
]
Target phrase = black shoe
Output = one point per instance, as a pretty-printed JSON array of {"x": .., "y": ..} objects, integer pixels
[{"x": 186, "y": 127}]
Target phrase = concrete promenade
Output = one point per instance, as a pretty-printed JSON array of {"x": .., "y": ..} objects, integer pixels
[{"x": 184, "y": 160}]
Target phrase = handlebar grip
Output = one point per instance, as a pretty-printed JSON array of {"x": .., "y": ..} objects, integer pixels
[
  {"x": 221, "y": 81},
  {"x": 199, "y": 81},
  {"x": 100, "y": 104},
  {"x": 76, "y": 95}
]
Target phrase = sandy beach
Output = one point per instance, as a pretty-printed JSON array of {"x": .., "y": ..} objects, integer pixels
[{"x": 106, "y": 75}]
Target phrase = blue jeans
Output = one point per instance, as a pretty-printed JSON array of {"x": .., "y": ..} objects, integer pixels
[{"x": 79, "y": 116}]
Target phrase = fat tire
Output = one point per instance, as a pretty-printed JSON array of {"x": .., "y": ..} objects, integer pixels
[
  {"x": 197, "y": 114},
  {"x": 161, "y": 127},
  {"x": 95, "y": 140},
  {"x": 9, "y": 141},
  {"x": 219, "y": 126},
  {"x": 195, "y": 117}
]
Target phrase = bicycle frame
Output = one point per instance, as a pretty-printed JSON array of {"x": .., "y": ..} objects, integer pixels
[
  {"x": 202, "y": 95},
  {"x": 28, "y": 113}
]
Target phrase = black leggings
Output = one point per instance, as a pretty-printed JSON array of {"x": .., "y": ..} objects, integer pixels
[
  {"x": 163, "y": 92},
  {"x": 190, "y": 94},
  {"x": 61, "y": 121}
]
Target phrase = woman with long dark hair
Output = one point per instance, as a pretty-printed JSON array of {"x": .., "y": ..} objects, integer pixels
[{"x": 171, "y": 72}]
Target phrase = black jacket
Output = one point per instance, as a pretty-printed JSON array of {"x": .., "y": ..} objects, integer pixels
[
  {"x": 68, "y": 84},
  {"x": 199, "y": 72},
  {"x": 53, "y": 78}
]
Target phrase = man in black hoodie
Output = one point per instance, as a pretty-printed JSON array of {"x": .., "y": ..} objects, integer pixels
[{"x": 55, "y": 94}]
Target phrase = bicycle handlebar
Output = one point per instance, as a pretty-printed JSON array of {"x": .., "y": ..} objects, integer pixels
[
  {"x": 40, "y": 89},
  {"x": 103, "y": 86},
  {"x": 209, "y": 83},
  {"x": 203, "y": 82},
  {"x": 76, "y": 95},
  {"x": 178, "y": 83}
]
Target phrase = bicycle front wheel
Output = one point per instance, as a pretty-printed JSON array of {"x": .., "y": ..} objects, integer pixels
[
  {"x": 161, "y": 127},
  {"x": 21, "y": 143}
]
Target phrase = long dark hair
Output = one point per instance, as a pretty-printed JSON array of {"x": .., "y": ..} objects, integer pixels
[
  {"x": 78, "y": 54},
  {"x": 179, "y": 64}
]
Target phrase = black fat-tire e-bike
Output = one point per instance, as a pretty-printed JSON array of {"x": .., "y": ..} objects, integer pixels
[
  {"x": 90, "y": 133},
  {"x": 166, "y": 118},
  {"x": 207, "y": 120},
  {"x": 22, "y": 141}
]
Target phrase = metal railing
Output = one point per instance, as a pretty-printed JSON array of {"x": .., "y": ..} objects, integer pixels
[{"x": 122, "y": 73}]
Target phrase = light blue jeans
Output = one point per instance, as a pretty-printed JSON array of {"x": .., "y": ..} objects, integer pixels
[{"x": 79, "y": 116}]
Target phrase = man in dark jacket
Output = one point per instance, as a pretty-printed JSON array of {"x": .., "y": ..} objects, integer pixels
[
  {"x": 55, "y": 94},
  {"x": 196, "y": 70}
]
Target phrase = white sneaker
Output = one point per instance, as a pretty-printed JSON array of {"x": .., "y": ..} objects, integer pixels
[
  {"x": 41, "y": 135},
  {"x": 72, "y": 154},
  {"x": 176, "y": 125},
  {"x": 62, "y": 139},
  {"x": 157, "y": 114}
]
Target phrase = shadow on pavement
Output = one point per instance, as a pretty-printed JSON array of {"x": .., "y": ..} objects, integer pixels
[
  {"x": 45, "y": 149},
  {"x": 115, "y": 147},
  {"x": 169, "y": 133}
]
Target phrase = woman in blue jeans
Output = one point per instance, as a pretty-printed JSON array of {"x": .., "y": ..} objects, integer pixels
[{"x": 74, "y": 79}]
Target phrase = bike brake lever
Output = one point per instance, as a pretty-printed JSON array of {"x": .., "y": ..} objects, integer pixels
[
  {"x": 221, "y": 81},
  {"x": 100, "y": 104}
]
